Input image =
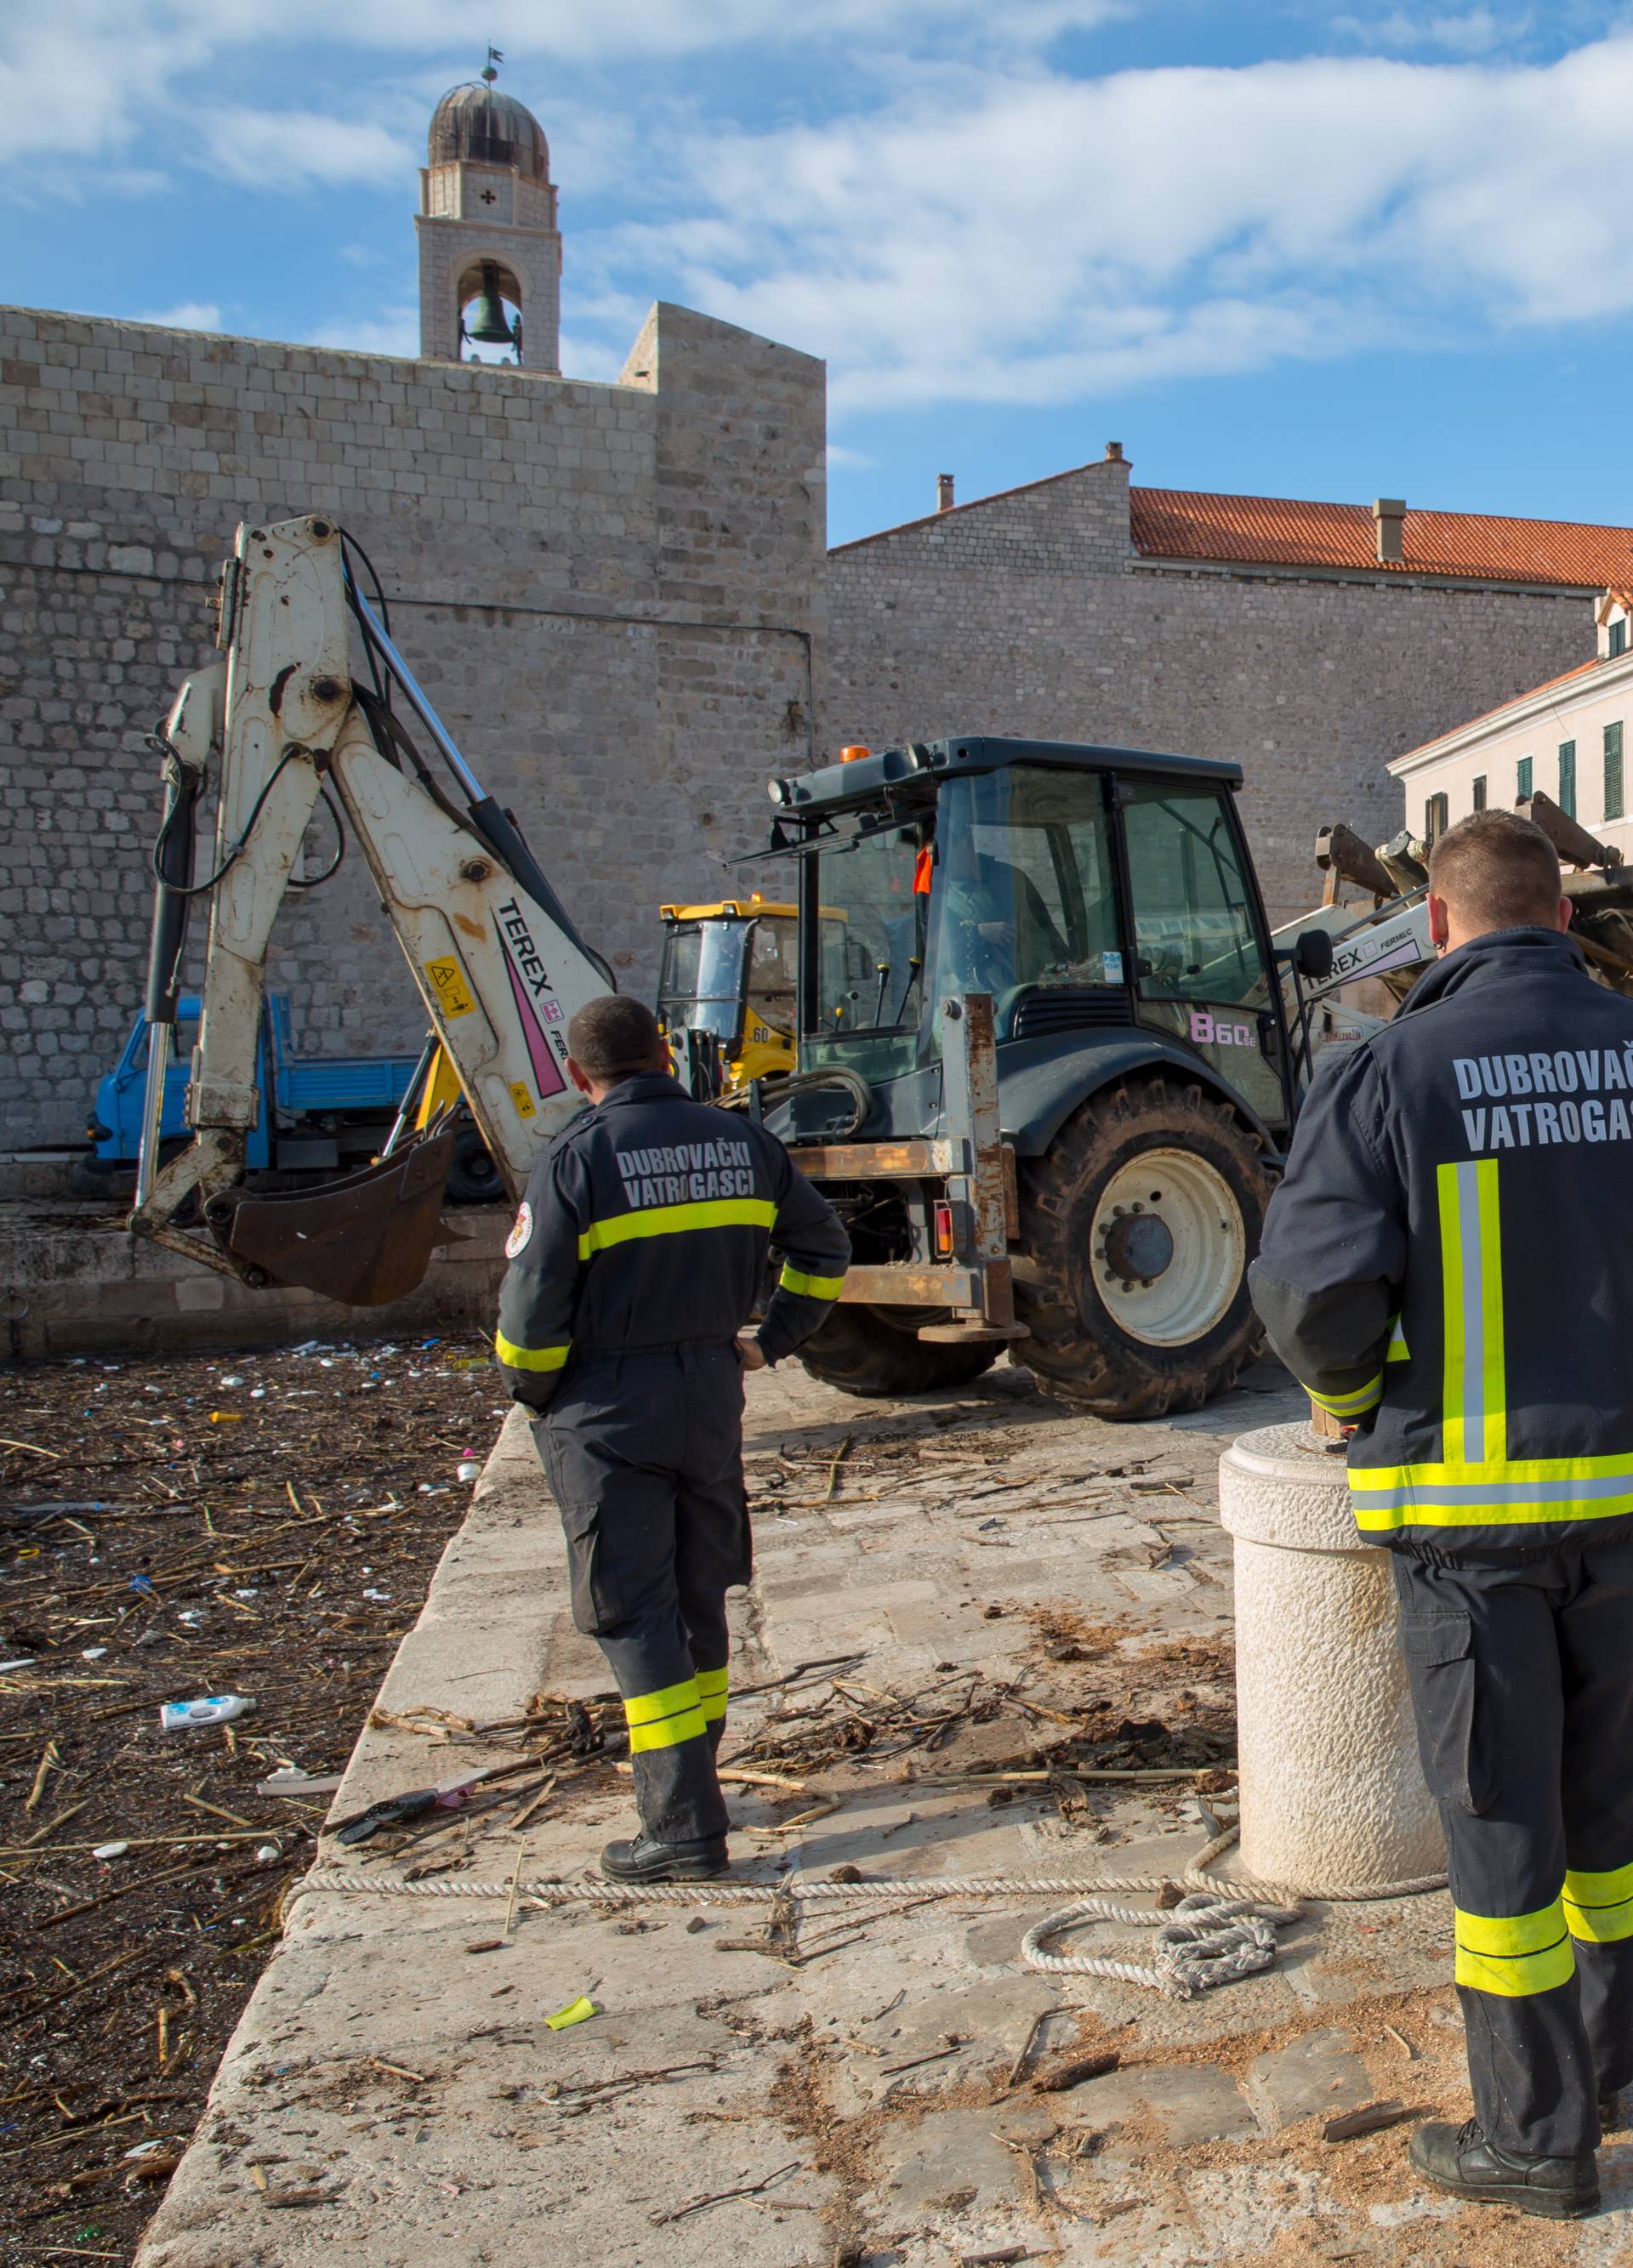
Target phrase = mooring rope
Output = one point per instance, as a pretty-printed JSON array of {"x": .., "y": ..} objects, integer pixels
[{"x": 594, "y": 1890}]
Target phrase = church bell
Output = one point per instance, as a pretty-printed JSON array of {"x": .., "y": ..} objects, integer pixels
[{"x": 488, "y": 327}]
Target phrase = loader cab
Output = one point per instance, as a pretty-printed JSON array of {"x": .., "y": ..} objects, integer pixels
[
  {"x": 1091, "y": 892},
  {"x": 730, "y": 970}
]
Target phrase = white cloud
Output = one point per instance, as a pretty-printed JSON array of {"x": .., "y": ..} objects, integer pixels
[
  {"x": 191, "y": 315},
  {"x": 260, "y": 148},
  {"x": 1477, "y": 32},
  {"x": 393, "y": 331},
  {"x": 850, "y": 460},
  {"x": 1045, "y": 238}
]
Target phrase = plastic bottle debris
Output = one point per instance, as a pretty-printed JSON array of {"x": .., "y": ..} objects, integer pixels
[
  {"x": 232, "y": 1381},
  {"x": 468, "y": 1469},
  {"x": 143, "y": 1586},
  {"x": 110, "y": 1849},
  {"x": 209, "y": 1709},
  {"x": 93, "y": 1653},
  {"x": 227, "y": 1416}
]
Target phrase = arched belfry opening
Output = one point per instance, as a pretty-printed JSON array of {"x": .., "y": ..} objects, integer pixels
[
  {"x": 490, "y": 250},
  {"x": 491, "y": 297}
]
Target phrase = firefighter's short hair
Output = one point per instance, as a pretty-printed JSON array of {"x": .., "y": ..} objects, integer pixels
[
  {"x": 1496, "y": 869},
  {"x": 615, "y": 1036}
]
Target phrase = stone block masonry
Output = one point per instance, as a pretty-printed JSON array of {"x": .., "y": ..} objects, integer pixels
[
  {"x": 1032, "y": 613},
  {"x": 613, "y": 594}
]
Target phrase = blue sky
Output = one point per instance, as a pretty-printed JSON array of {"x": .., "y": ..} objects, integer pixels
[{"x": 1296, "y": 249}]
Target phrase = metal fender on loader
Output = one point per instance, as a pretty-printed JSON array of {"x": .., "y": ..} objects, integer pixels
[{"x": 1136, "y": 1228}]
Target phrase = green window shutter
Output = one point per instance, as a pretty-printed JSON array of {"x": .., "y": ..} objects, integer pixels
[
  {"x": 1612, "y": 771},
  {"x": 1479, "y": 792},
  {"x": 1522, "y": 779},
  {"x": 1436, "y": 814},
  {"x": 1618, "y": 640},
  {"x": 1568, "y": 778}
]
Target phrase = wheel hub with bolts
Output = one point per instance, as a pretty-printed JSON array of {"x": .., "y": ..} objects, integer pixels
[
  {"x": 1138, "y": 1245},
  {"x": 1169, "y": 1246}
]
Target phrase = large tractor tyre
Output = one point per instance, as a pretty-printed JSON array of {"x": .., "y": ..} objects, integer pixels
[
  {"x": 875, "y": 1350},
  {"x": 1138, "y": 1227}
]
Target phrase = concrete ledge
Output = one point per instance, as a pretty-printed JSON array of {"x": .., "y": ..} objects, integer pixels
[{"x": 73, "y": 1281}]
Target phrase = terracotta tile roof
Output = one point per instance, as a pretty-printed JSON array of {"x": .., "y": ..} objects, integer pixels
[
  {"x": 1275, "y": 532},
  {"x": 1517, "y": 700}
]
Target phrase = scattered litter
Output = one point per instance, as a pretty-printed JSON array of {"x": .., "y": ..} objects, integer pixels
[
  {"x": 300, "y": 1783},
  {"x": 143, "y": 1586},
  {"x": 227, "y": 1416},
  {"x": 469, "y": 1471},
  {"x": 232, "y": 1381},
  {"x": 109, "y": 1850},
  {"x": 21, "y": 1661},
  {"x": 576, "y": 2011},
  {"x": 497, "y": 1945},
  {"x": 92, "y": 1654},
  {"x": 209, "y": 1709},
  {"x": 265, "y": 1853},
  {"x": 1371, "y": 2118}
]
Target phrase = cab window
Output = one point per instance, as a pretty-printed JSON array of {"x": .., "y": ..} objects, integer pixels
[{"x": 1194, "y": 934}]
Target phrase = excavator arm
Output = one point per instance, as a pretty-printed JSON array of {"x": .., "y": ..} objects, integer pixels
[{"x": 281, "y": 720}]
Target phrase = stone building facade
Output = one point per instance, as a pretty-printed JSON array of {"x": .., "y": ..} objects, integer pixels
[
  {"x": 613, "y": 593},
  {"x": 1313, "y": 643}
]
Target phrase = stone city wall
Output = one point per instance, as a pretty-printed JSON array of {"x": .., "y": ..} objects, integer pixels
[
  {"x": 578, "y": 576},
  {"x": 1031, "y": 614}
]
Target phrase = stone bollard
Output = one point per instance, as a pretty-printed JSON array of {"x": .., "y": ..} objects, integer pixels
[{"x": 1333, "y": 1793}]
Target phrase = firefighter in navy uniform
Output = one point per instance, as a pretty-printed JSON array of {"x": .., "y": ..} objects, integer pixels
[
  {"x": 635, "y": 1262},
  {"x": 1448, "y": 1269}
]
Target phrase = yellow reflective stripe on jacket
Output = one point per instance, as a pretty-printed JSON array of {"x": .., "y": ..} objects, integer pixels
[
  {"x": 1475, "y": 1417},
  {"x": 676, "y": 1219},
  {"x": 711, "y": 1690},
  {"x": 1511, "y": 1494},
  {"x": 1397, "y": 1350},
  {"x": 1514, "y": 1955},
  {"x": 811, "y": 1287},
  {"x": 1353, "y": 1404},
  {"x": 661, "y": 1718},
  {"x": 521, "y": 1357},
  {"x": 1599, "y": 1907}
]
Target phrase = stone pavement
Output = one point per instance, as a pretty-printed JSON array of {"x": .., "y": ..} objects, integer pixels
[{"x": 393, "y": 2096}]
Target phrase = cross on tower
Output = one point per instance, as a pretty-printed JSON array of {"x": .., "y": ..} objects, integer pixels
[{"x": 488, "y": 197}]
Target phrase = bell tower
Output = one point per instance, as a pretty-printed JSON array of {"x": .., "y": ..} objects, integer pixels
[{"x": 490, "y": 251}]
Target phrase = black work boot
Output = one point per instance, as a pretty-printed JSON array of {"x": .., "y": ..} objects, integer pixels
[
  {"x": 1460, "y": 2160},
  {"x": 643, "y": 1860}
]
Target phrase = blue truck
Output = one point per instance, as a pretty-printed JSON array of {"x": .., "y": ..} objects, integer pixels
[{"x": 319, "y": 1115}]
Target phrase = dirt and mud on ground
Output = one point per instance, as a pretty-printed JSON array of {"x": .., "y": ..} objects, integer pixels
[{"x": 263, "y": 1525}]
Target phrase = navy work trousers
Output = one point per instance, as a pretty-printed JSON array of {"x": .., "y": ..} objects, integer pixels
[
  {"x": 645, "y": 1454},
  {"x": 1522, "y": 1683}
]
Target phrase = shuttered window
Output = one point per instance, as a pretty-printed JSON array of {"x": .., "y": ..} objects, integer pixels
[
  {"x": 1522, "y": 779},
  {"x": 1436, "y": 814},
  {"x": 1568, "y": 778},
  {"x": 1612, "y": 771},
  {"x": 1479, "y": 792}
]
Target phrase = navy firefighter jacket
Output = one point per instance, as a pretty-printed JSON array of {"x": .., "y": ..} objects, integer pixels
[
  {"x": 1448, "y": 1264},
  {"x": 646, "y": 1226}
]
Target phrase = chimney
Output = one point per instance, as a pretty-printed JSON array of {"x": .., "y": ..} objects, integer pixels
[
  {"x": 1113, "y": 452},
  {"x": 943, "y": 492},
  {"x": 1389, "y": 518}
]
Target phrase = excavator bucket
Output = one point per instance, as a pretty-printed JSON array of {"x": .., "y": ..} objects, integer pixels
[{"x": 366, "y": 1240}]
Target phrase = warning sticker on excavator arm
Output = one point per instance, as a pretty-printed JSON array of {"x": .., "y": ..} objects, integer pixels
[
  {"x": 522, "y": 1100},
  {"x": 448, "y": 986}
]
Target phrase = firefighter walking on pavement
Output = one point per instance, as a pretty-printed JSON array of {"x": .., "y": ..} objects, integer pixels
[
  {"x": 635, "y": 1262},
  {"x": 1448, "y": 1269}
]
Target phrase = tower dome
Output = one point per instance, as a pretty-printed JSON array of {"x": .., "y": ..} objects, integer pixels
[{"x": 476, "y": 125}]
